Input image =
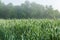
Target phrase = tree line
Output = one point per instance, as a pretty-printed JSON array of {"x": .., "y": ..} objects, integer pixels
[{"x": 27, "y": 10}]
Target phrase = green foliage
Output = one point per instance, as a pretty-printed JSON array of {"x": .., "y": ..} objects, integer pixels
[
  {"x": 27, "y": 10},
  {"x": 30, "y": 29}
]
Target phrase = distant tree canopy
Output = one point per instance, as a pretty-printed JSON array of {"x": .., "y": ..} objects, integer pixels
[{"x": 27, "y": 10}]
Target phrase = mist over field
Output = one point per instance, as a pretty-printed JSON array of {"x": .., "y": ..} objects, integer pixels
[{"x": 29, "y": 20}]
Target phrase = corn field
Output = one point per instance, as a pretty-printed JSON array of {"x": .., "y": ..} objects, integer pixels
[{"x": 30, "y": 29}]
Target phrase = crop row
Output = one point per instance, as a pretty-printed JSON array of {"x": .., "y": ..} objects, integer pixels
[{"x": 30, "y": 29}]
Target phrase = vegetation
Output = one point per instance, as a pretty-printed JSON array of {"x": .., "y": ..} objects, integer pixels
[
  {"x": 30, "y": 29},
  {"x": 27, "y": 10},
  {"x": 29, "y": 21}
]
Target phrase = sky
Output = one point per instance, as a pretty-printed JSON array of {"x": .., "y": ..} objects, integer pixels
[{"x": 54, "y": 3}]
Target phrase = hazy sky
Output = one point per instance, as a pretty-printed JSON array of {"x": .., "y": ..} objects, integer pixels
[{"x": 54, "y": 3}]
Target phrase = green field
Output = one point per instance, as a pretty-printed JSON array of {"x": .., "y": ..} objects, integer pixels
[{"x": 30, "y": 29}]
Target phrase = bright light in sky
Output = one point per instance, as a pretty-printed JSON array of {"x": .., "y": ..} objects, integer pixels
[{"x": 54, "y": 3}]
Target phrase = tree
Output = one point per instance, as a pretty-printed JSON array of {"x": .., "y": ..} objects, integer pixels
[{"x": 27, "y": 10}]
